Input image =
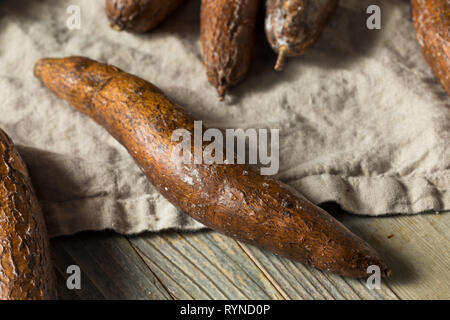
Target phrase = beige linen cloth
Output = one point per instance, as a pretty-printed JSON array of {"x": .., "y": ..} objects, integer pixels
[{"x": 362, "y": 120}]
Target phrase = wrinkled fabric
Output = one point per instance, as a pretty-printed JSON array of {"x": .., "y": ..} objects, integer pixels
[{"x": 362, "y": 120}]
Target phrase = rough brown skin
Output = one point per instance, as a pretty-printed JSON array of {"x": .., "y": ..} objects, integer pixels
[
  {"x": 227, "y": 34},
  {"x": 139, "y": 15},
  {"x": 292, "y": 26},
  {"x": 233, "y": 199},
  {"x": 432, "y": 21},
  {"x": 26, "y": 270}
]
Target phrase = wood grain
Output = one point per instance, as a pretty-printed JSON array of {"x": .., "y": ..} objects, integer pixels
[
  {"x": 205, "y": 265},
  {"x": 208, "y": 265},
  {"x": 235, "y": 200}
]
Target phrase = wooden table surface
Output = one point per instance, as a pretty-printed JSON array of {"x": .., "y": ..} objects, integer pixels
[{"x": 208, "y": 265}]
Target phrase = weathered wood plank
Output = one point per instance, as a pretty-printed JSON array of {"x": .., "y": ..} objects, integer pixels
[
  {"x": 415, "y": 247},
  {"x": 111, "y": 268},
  {"x": 208, "y": 265},
  {"x": 62, "y": 260},
  {"x": 221, "y": 249},
  {"x": 203, "y": 265}
]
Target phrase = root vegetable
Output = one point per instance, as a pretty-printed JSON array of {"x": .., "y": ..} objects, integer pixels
[
  {"x": 233, "y": 199},
  {"x": 139, "y": 15},
  {"x": 292, "y": 26},
  {"x": 227, "y": 33},
  {"x": 26, "y": 270}
]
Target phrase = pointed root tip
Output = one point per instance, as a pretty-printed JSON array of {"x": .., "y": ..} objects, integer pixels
[
  {"x": 387, "y": 273},
  {"x": 384, "y": 270},
  {"x": 117, "y": 26},
  {"x": 279, "y": 65}
]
